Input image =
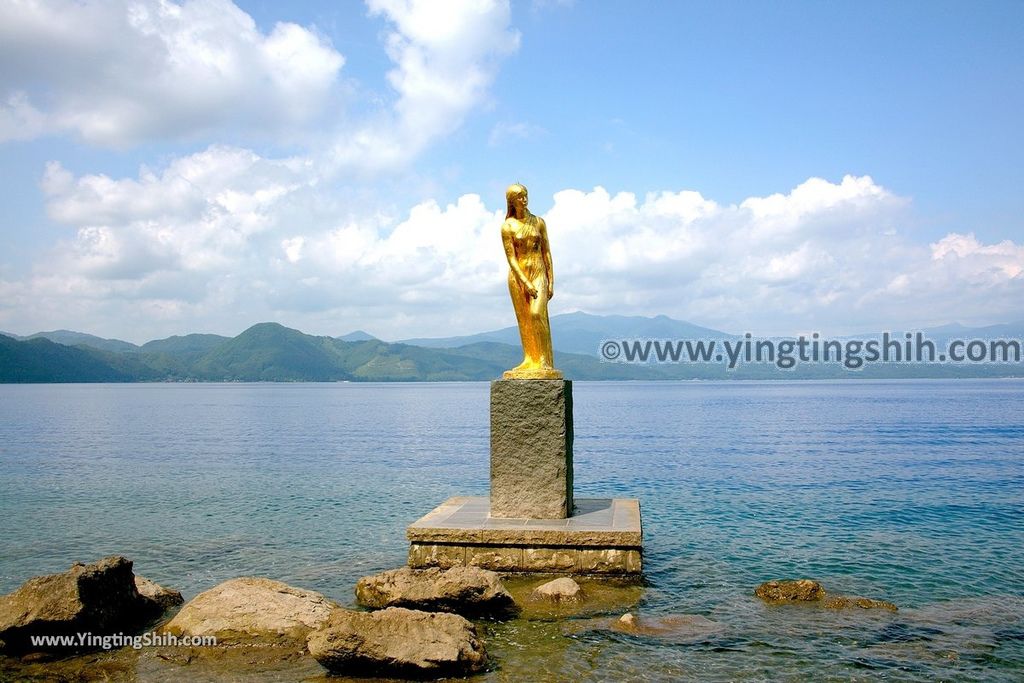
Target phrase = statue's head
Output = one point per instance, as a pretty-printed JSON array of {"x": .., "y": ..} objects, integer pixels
[{"x": 515, "y": 195}]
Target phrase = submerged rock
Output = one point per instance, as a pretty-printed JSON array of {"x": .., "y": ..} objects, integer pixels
[
  {"x": 668, "y": 628},
  {"x": 252, "y": 609},
  {"x": 160, "y": 597},
  {"x": 462, "y": 590},
  {"x": 558, "y": 591},
  {"x": 397, "y": 642},
  {"x": 806, "y": 590},
  {"x": 99, "y": 598},
  {"x": 847, "y": 601},
  {"x": 678, "y": 628},
  {"x": 597, "y": 597},
  {"x": 799, "y": 590}
]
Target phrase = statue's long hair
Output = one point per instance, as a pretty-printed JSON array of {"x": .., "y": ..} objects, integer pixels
[{"x": 513, "y": 191}]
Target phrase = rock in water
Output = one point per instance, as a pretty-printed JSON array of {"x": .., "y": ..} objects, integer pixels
[
  {"x": 799, "y": 590},
  {"x": 844, "y": 602},
  {"x": 99, "y": 598},
  {"x": 462, "y": 590},
  {"x": 397, "y": 642},
  {"x": 560, "y": 591},
  {"x": 677, "y": 628},
  {"x": 252, "y": 609},
  {"x": 805, "y": 590},
  {"x": 162, "y": 598}
]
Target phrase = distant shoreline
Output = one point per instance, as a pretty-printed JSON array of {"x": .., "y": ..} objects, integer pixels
[
  {"x": 588, "y": 381},
  {"x": 270, "y": 352}
]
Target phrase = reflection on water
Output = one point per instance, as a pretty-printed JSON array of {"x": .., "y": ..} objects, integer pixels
[{"x": 904, "y": 491}]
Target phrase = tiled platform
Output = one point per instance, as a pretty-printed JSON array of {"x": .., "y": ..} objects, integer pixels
[{"x": 603, "y": 536}]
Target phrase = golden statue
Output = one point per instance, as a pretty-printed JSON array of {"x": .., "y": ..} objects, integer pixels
[{"x": 531, "y": 282}]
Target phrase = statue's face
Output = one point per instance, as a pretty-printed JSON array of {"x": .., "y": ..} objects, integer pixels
[{"x": 519, "y": 201}]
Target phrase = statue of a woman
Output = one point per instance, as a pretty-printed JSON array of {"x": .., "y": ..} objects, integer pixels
[{"x": 531, "y": 282}]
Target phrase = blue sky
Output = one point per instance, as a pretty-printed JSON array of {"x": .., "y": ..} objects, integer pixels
[{"x": 764, "y": 167}]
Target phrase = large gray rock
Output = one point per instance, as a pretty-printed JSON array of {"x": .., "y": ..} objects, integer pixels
[
  {"x": 99, "y": 598},
  {"x": 560, "y": 590},
  {"x": 462, "y": 590},
  {"x": 397, "y": 642},
  {"x": 161, "y": 598},
  {"x": 252, "y": 609},
  {"x": 531, "y": 449}
]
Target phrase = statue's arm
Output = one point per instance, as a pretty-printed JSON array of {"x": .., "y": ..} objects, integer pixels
[
  {"x": 546, "y": 247},
  {"x": 513, "y": 262}
]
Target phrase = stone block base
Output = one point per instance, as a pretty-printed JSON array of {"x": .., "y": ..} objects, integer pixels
[
  {"x": 604, "y": 537},
  {"x": 531, "y": 449},
  {"x": 541, "y": 560}
]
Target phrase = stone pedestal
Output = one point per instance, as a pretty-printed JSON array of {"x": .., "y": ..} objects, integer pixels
[
  {"x": 530, "y": 522},
  {"x": 603, "y": 537},
  {"x": 531, "y": 449}
]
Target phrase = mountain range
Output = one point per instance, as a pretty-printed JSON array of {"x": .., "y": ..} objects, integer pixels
[
  {"x": 583, "y": 333},
  {"x": 272, "y": 352}
]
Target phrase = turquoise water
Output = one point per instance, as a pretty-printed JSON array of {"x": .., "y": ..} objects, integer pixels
[{"x": 909, "y": 491}]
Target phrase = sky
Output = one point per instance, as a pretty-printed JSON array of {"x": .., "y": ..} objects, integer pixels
[{"x": 774, "y": 168}]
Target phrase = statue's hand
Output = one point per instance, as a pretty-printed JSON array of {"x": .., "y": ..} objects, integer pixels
[
  {"x": 551, "y": 294},
  {"x": 532, "y": 291}
]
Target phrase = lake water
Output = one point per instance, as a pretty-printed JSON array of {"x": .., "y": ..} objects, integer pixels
[{"x": 909, "y": 491}]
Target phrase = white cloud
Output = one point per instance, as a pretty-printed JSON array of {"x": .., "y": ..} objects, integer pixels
[
  {"x": 224, "y": 238},
  {"x": 19, "y": 120},
  {"x": 446, "y": 55},
  {"x": 964, "y": 252},
  {"x": 293, "y": 248},
  {"x": 120, "y": 72},
  {"x": 130, "y": 71},
  {"x": 201, "y": 214},
  {"x": 981, "y": 282}
]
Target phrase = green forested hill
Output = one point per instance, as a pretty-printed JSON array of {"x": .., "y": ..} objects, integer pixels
[
  {"x": 188, "y": 344},
  {"x": 269, "y": 352},
  {"x": 70, "y": 338},
  {"x": 41, "y": 360}
]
